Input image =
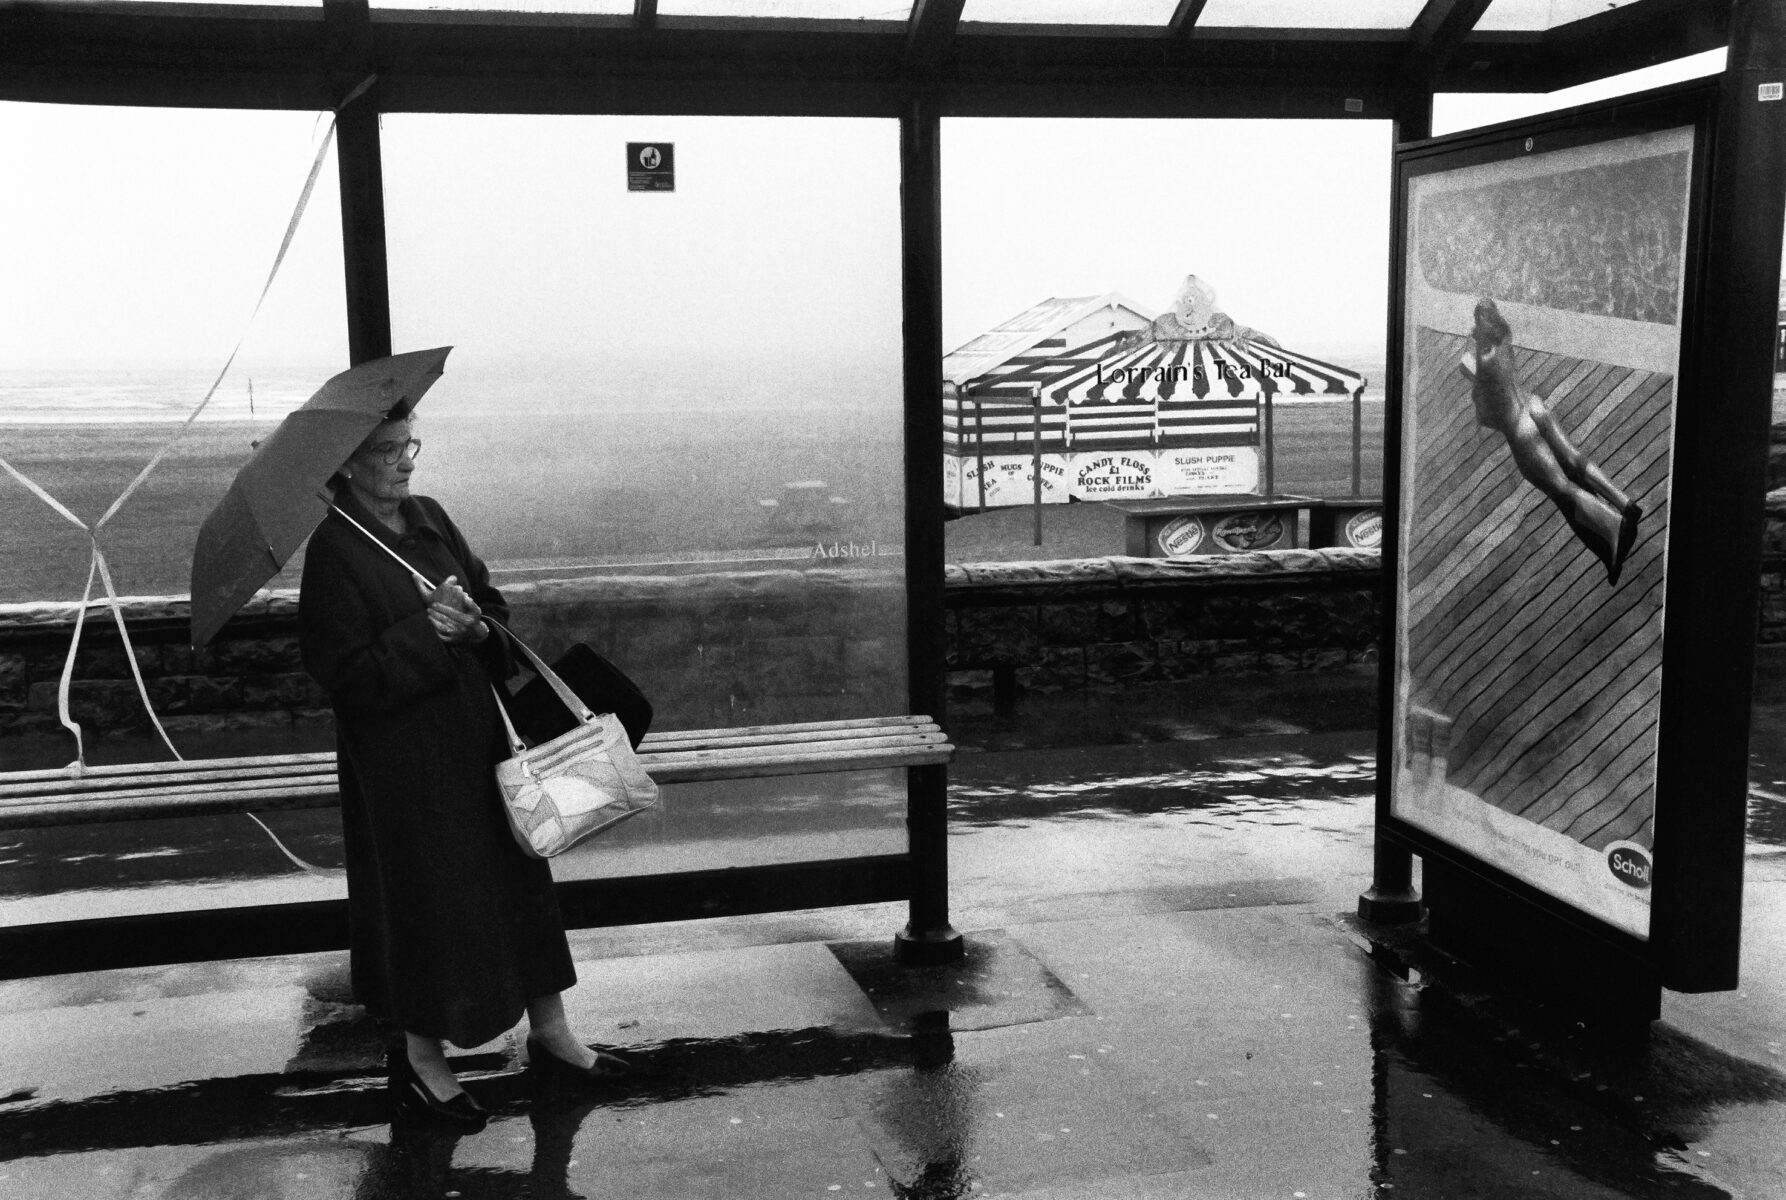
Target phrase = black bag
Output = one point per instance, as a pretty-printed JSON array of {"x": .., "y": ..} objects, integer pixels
[{"x": 539, "y": 715}]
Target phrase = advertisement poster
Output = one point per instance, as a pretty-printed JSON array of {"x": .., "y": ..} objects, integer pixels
[
  {"x": 1542, "y": 334},
  {"x": 1224, "y": 470},
  {"x": 1113, "y": 475},
  {"x": 1011, "y": 480}
]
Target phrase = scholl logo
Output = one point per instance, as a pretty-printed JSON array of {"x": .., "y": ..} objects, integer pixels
[{"x": 1629, "y": 864}]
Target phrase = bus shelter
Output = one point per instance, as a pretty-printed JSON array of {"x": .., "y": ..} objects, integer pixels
[{"x": 912, "y": 67}]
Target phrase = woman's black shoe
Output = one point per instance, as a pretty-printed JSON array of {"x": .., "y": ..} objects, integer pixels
[
  {"x": 548, "y": 1067},
  {"x": 461, "y": 1113}
]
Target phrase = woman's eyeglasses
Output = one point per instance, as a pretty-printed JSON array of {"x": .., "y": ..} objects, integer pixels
[{"x": 389, "y": 452}]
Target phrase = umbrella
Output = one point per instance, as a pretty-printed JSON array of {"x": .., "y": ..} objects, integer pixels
[{"x": 273, "y": 504}]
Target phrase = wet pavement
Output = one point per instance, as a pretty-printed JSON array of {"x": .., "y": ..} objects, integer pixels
[{"x": 1164, "y": 996}]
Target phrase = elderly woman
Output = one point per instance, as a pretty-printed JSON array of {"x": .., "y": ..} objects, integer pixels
[{"x": 455, "y": 932}]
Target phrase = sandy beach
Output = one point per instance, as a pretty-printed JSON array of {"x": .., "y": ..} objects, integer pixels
[{"x": 638, "y": 487}]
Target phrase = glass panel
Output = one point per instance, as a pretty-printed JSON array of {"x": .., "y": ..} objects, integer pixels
[
  {"x": 672, "y": 424},
  {"x": 837, "y": 10},
  {"x": 1312, "y": 14},
  {"x": 1152, "y": 386},
  {"x": 1541, "y": 14},
  {"x": 279, "y": 3},
  {"x": 1454, "y": 111},
  {"x": 133, "y": 261},
  {"x": 1071, "y": 12},
  {"x": 600, "y": 7}
]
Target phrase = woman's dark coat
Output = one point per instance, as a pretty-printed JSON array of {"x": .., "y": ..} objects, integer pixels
[{"x": 454, "y": 929}]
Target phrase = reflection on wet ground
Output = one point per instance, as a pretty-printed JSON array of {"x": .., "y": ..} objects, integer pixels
[
  {"x": 1458, "y": 1102},
  {"x": 1168, "y": 1007},
  {"x": 1274, "y": 780},
  {"x": 1253, "y": 1055}
]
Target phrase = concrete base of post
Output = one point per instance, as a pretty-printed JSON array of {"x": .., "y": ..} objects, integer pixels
[
  {"x": 1392, "y": 899},
  {"x": 1384, "y": 906},
  {"x": 929, "y": 948}
]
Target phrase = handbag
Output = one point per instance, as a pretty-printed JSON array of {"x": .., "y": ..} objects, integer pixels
[
  {"x": 583, "y": 781},
  {"x": 562, "y": 790}
]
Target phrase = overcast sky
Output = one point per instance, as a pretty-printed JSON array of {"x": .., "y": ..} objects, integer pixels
[{"x": 141, "y": 237}]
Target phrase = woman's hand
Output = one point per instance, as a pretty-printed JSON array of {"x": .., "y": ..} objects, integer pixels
[{"x": 454, "y": 615}]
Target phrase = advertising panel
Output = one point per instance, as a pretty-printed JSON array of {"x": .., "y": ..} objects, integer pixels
[
  {"x": 1542, "y": 332},
  {"x": 1193, "y": 534},
  {"x": 1011, "y": 480},
  {"x": 1113, "y": 475},
  {"x": 1216, "y": 471}
]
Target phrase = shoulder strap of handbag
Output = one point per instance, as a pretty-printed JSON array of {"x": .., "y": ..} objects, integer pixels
[{"x": 559, "y": 687}]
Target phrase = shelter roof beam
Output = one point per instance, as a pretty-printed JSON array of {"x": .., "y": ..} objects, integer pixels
[
  {"x": 1440, "y": 29},
  {"x": 1184, "y": 17},
  {"x": 930, "y": 29}
]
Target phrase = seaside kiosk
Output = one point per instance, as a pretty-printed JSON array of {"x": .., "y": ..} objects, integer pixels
[{"x": 1166, "y": 418}]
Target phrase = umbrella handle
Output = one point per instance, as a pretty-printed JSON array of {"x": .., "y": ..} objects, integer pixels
[{"x": 371, "y": 537}]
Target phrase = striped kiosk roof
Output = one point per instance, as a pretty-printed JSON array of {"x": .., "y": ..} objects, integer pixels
[
  {"x": 1113, "y": 370},
  {"x": 1114, "y": 388}
]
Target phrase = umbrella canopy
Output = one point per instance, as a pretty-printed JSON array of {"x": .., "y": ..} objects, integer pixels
[{"x": 273, "y": 504}]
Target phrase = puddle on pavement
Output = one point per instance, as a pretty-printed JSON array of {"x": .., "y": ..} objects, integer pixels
[
  {"x": 1161, "y": 779},
  {"x": 931, "y": 1114},
  {"x": 1462, "y": 1112}
]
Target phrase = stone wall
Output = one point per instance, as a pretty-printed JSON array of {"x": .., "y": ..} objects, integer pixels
[
  {"x": 739, "y": 649},
  {"x": 1055, "y": 626},
  {"x": 1772, "y": 631}
]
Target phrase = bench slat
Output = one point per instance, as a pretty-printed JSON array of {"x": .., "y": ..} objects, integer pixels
[
  {"x": 788, "y": 750},
  {"x": 176, "y": 787},
  {"x": 322, "y": 766},
  {"x": 202, "y": 772},
  {"x": 865, "y": 724},
  {"x": 12, "y": 782},
  {"x": 166, "y": 804},
  {"x": 725, "y": 739},
  {"x": 112, "y": 770},
  {"x": 805, "y": 764},
  {"x": 287, "y": 782}
]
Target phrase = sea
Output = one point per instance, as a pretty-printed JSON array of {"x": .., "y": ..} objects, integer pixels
[{"x": 547, "y": 473}]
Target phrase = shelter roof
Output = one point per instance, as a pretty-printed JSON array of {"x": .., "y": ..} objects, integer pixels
[{"x": 1236, "y": 58}]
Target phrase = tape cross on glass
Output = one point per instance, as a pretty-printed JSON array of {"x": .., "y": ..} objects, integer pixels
[{"x": 97, "y": 566}]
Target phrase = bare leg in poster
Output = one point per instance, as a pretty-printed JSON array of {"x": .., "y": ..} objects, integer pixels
[{"x": 1602, "y": 516}]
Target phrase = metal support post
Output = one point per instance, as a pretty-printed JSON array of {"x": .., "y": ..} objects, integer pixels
[
  {"x": 357, "y": 154},
  {"x": 928, "y": 937},
  {"x": 1035, "y": 399},
  {"x": 1392, "y": 899}
]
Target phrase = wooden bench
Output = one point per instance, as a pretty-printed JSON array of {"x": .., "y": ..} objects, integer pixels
[{"x": 274, "y": 783}]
